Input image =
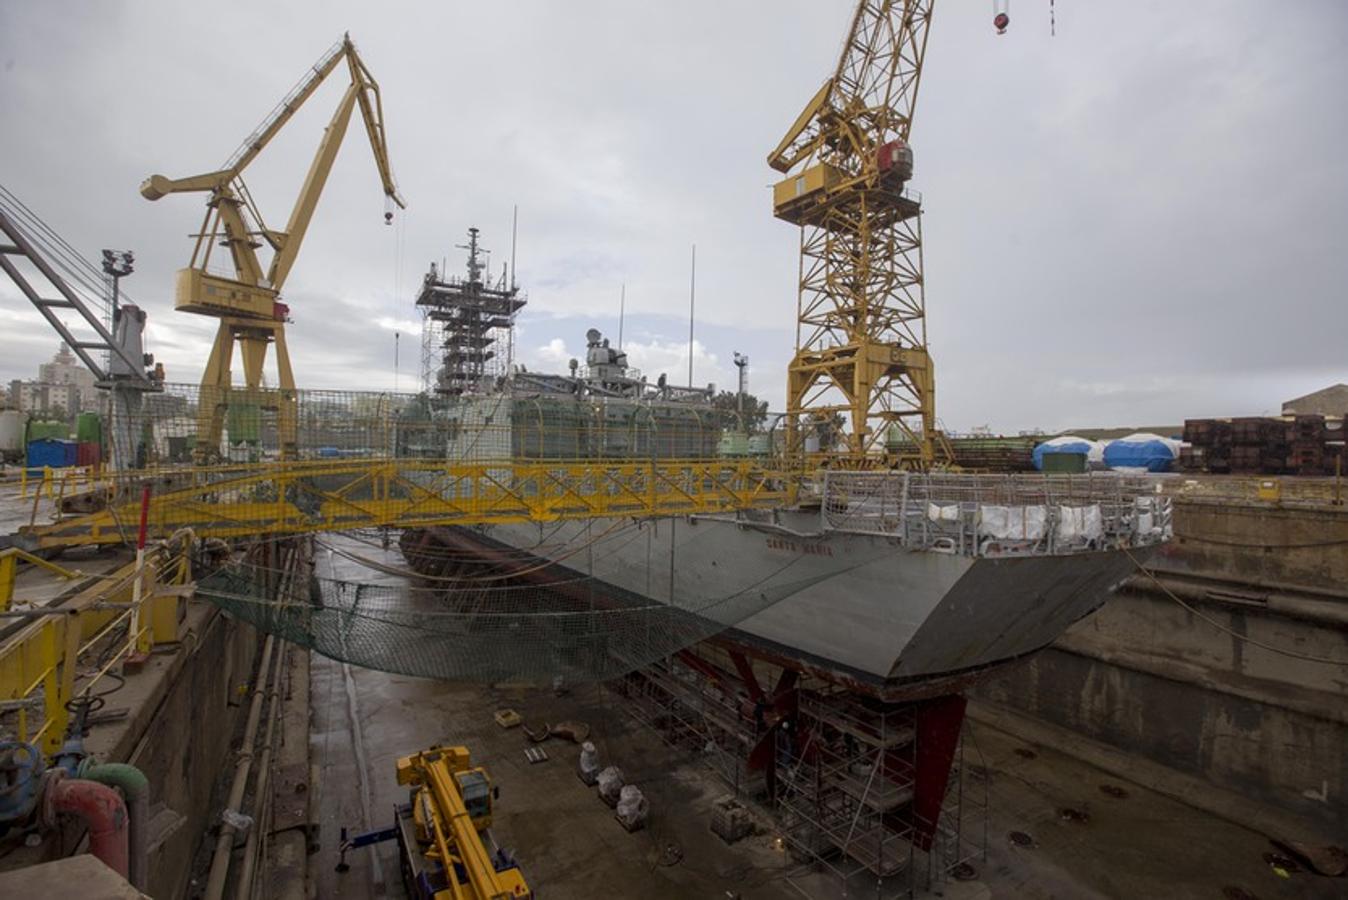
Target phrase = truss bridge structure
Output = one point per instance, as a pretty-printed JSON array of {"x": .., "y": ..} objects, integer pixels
[{"x": 326, "y": 495}]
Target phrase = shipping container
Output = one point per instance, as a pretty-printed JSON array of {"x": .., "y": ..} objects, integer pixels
[
  {"x": 41, "y": 430},
  {"x": 1059, "y": 463},
  {"x": 88, "y": 428},
  {"x": 88, "y": 453},
  {"x": 52, "y": 452}
]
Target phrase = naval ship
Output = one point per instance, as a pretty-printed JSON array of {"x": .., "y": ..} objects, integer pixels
[{"x": 898, "y": 584}]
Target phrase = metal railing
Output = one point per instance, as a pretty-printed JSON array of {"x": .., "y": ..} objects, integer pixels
[
  {"x": 41, "y": 661},
  {"x": 1295, "y": 490},
  {"x": 307, "y": 496},
  {"x": 999, "y": 515}
]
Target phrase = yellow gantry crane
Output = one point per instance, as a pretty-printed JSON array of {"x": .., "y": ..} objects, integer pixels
[
  {"x": 248, "y": 302},
  {"x": 861, "y": 339}
]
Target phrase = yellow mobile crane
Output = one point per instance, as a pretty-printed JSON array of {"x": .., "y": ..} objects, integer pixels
[
  {"x": 444, "y": 839},
  {"x": 248, "y": 303},
  {"x": 861, "y": 337}
]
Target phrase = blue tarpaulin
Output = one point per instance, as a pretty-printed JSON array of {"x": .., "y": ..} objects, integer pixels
[{"x": 1140, "y": 451}]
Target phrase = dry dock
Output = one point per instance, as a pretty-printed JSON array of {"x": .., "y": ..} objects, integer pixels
[
  {"x": 1142, "y": 844},
  {"x": 1064, "y": 794},
  {"x": 1056, "y": 825},
  {"x": 1060, "y": 798}
]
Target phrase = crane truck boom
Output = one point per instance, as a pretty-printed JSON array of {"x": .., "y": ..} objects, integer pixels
[{"x": 444, "y": 831}]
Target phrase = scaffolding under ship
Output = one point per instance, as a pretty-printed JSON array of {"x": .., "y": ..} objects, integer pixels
[{"x": 894, "y": 584}]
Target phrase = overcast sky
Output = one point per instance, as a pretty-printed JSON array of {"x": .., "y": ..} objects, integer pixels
[{"x": 1142, "y": 219}]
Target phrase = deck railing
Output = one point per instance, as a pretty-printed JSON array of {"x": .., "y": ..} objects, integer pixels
[{"x": 999, "y": 515}]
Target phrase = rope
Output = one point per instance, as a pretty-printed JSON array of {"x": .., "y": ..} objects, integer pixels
[
  {"x": 515, "y": 632},
  {"x": 514, "y": 573},
  {"x": 1308, "y": 657}
]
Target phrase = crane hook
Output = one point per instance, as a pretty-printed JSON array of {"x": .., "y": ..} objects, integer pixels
[{"x": 1001, "y": 19}]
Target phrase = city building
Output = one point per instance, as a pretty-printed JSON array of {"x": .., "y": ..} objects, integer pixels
[{"x": 62, "y": 385}]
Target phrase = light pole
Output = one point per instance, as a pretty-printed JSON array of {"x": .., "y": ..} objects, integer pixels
[
  {"x": 117, "y": 263},
  {"x": 741, "y": 363}
]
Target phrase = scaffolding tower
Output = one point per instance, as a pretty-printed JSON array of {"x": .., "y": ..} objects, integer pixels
[
  {"x": 696, "y": 715},
  {"x": 849, "y": 786},
  {"x": 467, "y": 325},
  {"x": 840, "y": 779}
]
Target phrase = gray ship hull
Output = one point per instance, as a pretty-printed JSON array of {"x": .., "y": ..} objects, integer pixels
[{"x": 857, "y": 604}]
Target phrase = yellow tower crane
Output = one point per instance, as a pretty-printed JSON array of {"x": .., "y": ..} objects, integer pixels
[
  {"x": 248, "y": 303},
  {"x": 861, "y": 359}
]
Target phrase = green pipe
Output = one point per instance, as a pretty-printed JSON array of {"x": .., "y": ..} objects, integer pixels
[{"x": 135, "y": 787}]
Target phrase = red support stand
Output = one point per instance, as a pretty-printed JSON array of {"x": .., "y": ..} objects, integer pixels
[{"x": 939, "y": 722}]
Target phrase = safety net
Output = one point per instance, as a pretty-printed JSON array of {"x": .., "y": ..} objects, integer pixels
[{"x": 364, "y": 607}]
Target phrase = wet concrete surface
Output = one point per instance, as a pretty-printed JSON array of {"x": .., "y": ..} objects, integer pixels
[
  {"x": 1095, "y": 835},
  {"x": 567, "y": 840},
  {"x": 1127, "y": 842}
]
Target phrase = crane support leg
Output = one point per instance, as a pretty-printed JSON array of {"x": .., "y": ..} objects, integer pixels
[{"x": 218, "y": 393}]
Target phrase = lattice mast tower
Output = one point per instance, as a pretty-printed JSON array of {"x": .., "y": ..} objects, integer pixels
[
  {"x": 861, "y": 338},
  {"x": 467, "y": 325}
]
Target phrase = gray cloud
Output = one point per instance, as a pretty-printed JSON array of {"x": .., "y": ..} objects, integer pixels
[{"x": 1138, "y": 220}]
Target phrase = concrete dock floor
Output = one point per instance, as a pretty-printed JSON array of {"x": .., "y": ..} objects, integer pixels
[
  {"x": 569, "y": 845},
  {"x": 1135, "y": 844}
]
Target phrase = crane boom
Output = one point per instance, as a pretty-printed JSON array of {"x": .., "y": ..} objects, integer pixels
[
  {"x": 861, "y": 347},
  {"x": 248, "y": 304},
  {"x": 881, "y": 66}
]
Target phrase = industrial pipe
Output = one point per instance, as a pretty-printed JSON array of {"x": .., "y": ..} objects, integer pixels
[
  {"x": 224, "y": 843},
  {"x": 135, "y": 787},
  {"x": 1198, "y": 589},
  {"x": 261, "y": 799},
  {"x": 102, "y": 811}
]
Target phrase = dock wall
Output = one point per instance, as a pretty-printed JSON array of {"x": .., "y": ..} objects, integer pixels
[
  {"x": 185, "y": 707},
  {"x": 1192, "y": 690}
]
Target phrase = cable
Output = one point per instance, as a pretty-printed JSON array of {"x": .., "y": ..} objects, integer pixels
[
  {"x": 538, "y": 566},
  {"x": 1220, "y": 627},
  {"x": 440, "y": 552}
]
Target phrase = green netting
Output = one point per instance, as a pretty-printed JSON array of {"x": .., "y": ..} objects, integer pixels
[
  {"x": 166, "y": 425},
  {"x": 476, "y": 628}
]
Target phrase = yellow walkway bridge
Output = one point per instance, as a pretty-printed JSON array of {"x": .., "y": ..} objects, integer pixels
[{"x": 277, "y": 498}]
